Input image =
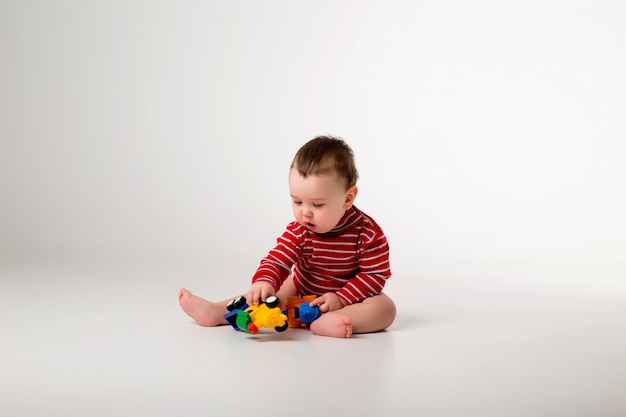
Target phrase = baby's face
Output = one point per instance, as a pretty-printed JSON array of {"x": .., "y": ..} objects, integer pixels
[{"x": 319, "y": 201}]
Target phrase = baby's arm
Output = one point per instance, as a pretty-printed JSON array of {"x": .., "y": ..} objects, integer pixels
[
  {"x": 276, "y": 266},
  {"x": 373, "y": 270}
]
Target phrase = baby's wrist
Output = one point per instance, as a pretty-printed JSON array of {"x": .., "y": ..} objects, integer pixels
[{"x": 342, "y": 302}]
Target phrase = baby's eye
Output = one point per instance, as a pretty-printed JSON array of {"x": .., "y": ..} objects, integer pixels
[
  {"x": 297, "y": 203},
  {"x": 318, "y": 205}
]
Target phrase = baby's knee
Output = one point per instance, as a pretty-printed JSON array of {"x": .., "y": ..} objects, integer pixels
[
  {"x": 391, "y": 305},
  {"x": 385, "y": 306}
]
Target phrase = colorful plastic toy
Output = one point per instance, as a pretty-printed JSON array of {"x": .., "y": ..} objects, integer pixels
[
  {"x": 251, "y": 318},
  {"x": 299, "y": 311}
]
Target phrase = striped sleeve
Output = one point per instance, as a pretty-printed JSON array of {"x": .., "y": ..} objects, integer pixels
[
  {"x": 276, "y": 266},
  {"x": 373, "y": 271}
]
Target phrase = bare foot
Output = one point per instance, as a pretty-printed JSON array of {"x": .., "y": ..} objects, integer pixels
[
  {"x": 204, "y": 312},
  {"x": 332, "y": 325}
]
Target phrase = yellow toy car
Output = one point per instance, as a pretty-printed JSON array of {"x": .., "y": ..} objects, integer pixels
[{"x": 250, "y": 319}]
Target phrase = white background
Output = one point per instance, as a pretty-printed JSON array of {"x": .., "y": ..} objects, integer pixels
[
  {"x": 490, "y": 137},
  {"x": 484, "y": 131}
]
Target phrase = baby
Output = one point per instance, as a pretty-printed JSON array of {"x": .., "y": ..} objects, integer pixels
[{"x": 332, "y": 250}]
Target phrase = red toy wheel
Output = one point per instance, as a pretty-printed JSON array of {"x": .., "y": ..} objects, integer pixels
[{"x": 252, "y": 328}]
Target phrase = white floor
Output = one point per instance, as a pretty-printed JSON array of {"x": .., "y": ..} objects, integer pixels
[{"x": 87, "y": 340}]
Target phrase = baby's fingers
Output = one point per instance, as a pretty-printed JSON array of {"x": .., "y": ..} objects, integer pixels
[
  {"x": 322, "y": 304},
  {"x": 314, "y": 302},
  {"x": 253, "y": 297},
  {"x": 265, "y": 292},
  {"x": 317, "y": 302}
]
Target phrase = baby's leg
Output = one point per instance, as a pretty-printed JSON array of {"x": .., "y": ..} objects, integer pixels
[
  {"x": 210, "y": 314},
  {"x": 372, "y": 315},
  {"x": 205, "y": 313}
]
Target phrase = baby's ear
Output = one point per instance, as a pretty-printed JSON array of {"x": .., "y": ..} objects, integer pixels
[{"x": 350, "y": 196}]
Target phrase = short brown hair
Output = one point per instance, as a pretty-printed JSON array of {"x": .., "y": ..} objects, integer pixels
[{"x": 324, "y": 154}]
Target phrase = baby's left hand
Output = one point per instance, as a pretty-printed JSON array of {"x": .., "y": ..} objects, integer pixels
[{"x": 328, "y": 302}]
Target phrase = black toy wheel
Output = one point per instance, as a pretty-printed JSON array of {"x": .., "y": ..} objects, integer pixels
[
  {"x": 240, "y": 301},
  {"x": 271, "y": 301},
  {"x": 281, "y": 328},
  {"x": 236, "y": 303}
]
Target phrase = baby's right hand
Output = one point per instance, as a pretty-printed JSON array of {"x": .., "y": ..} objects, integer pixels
[{"x": 259, "y": 291}]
